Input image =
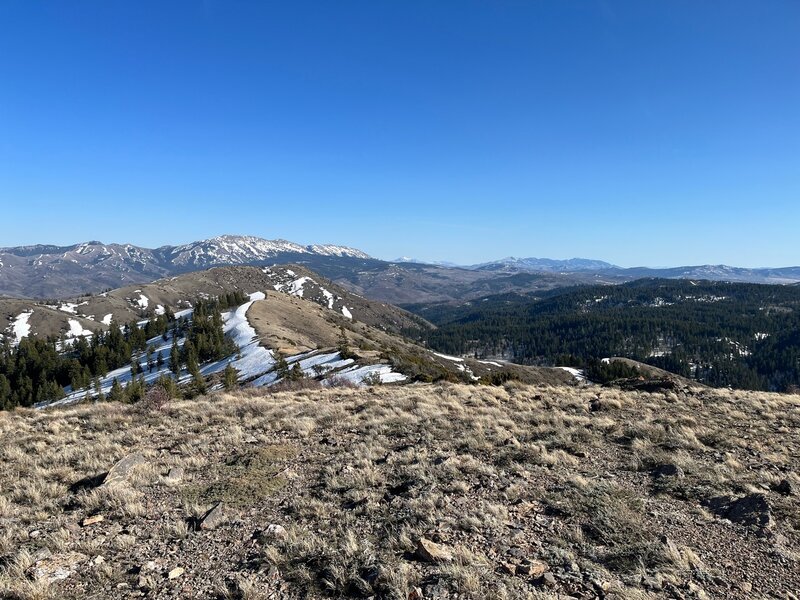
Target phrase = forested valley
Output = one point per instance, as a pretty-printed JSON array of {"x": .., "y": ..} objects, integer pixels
[{"x": 722, "y": 334}]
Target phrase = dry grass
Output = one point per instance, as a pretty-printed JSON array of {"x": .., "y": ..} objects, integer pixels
[{"x": 500, "y": 476}]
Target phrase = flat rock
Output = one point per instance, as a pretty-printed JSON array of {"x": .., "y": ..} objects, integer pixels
[
  {"x": 92, "y": 520},
  {"x": 120, "y": 472},
  {"x": 176, "y": 572},
  {"x": 57, "y": 566},
  {"x": 429, "y": 551}
]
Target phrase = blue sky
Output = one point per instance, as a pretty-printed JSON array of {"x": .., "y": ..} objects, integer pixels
[{"x": 642, "y": 133}]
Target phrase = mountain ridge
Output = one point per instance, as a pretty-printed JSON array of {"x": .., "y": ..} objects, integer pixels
[{"x": 47, "y": 270}]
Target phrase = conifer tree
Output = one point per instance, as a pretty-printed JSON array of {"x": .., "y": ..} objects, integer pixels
[
  {"x": 199, "y": 382},
  {"x": 296, "y": 372},
  {"x": 230, "y": 377},
  {"x": 116, "y": 394},
  {"x": 175, "y": 357},
  {"x": 281, "y": 366}
]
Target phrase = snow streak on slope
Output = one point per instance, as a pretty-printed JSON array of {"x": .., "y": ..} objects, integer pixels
[
  {"x": 447, "y": 357},
  {"x": 255, "y": 359},
  {"x": 21, "y": 328}
]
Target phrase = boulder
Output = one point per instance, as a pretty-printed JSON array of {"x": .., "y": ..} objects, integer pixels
[
  {"x": 548, "y": 580},
  {"x": 429, "y": 551},
  {"x": 669, "y": 470},
  {"x": 534, "y": 568},
  {"x": 509, "y": 568},
  {"x": 214, "y": 517},
  {"x": 785, "y": 488},
  {"x": 274, "y": 530},
  {"x": 416, "y": 594},
  {"x": 175, "y": 475},
  {"x": 176, "y": 572},
  {"x": 121, "y": 472},
  {"x": 750, "y": 510}
]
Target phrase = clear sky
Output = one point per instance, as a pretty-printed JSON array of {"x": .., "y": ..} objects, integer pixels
[{"x": 639, "y": 132}]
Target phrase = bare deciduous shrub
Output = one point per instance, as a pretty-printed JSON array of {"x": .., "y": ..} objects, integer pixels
[{"x": 157, "y": 399}]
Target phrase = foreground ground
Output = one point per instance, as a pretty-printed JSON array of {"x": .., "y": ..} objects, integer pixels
[{"x": 422, "y": 491}]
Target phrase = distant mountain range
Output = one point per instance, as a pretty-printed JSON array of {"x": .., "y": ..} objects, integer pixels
[
  {"x": 544, "y": 265},
  {"x": 777, "y": 275},
  {"x": 47, "y": 271}
]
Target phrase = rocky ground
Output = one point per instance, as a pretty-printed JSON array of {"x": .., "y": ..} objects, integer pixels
[{"x": 421, "y": 491}]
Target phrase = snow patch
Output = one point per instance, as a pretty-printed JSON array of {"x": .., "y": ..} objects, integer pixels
[
  {"x": 357, "y": 375},
  {"x": 21, "y": 328},
  {"x": 107, "y": 319},
  {"x": 328, "y": 296},
  {"x": 347, "y": 314},
  {"x": 76, "y": 329},
  {"x": 576, "y": 373}
]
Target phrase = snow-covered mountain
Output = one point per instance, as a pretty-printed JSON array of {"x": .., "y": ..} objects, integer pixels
[
  {"x": 244, "y": 249},
  {"x": 53, "y": 271}
]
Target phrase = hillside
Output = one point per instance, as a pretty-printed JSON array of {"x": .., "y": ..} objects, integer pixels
[
  {"x": 723, "y": 334},
  {"x": 410, "y": 283},
  {"x": 228, "y": 326},
  {"x": 70, "y": 316},
  {"x": 422, "y": 491}
]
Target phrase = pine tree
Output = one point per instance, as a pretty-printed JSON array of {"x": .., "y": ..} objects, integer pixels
[
  {"x": 296, "y": 372},
  {"x": 343, "y": 347},
  {"x": 230, "y": 377},
  {"x": 199, "y": 382},
  {"x": 281, "y": 366},
  {"x": 175, "y": 357},
  {"x": 98, "y": 389},
  {"x": 116, "y": 394},
  {"x": 169, "y": 385}
]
